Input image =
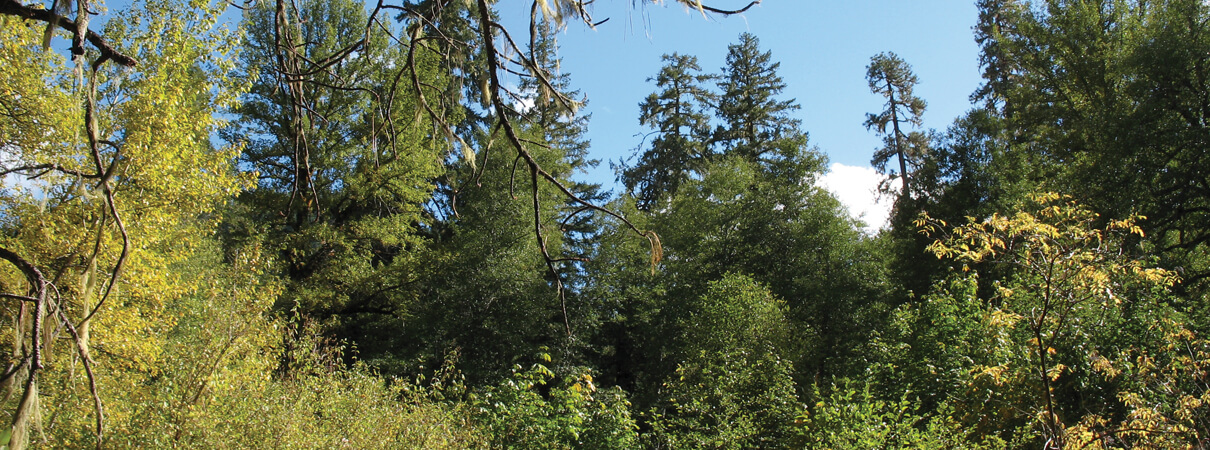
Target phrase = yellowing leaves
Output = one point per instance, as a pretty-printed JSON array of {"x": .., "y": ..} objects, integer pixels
[
  {"x": 154, "y": 124},
  {"x": 1064, "y": 274},
  {"x": 996, "y": 373},
  {"x": 1001, "y": 318}
]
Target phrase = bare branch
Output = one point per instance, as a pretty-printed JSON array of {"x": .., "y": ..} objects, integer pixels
[
  {"x": 23, "y": 298},
  {"x": 15, "y": 8},
  {"x": 45, "y": 168}
]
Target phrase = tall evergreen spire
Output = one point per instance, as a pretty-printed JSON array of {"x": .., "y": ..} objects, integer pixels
[
  {"x": 753, "y": 118},
  {"x": 677, "y": 113},
  {"x": 554, "y": 112}
]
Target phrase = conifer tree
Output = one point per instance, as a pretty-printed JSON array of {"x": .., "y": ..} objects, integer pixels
[
  {"x": 677, "y": 113},
  {"x": 556, "y": 118},
  {"x": 892, "y": 77},
  {"x": 493, "y": 297},
  {"x": 996, "y": 18},
  {"x": 340, "y": 189},
  {"x": 753, "y": 118}
]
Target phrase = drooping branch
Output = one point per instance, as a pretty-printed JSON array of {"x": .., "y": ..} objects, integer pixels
[
  {"x": 726, "y": 12},
  {"x": 537, "y": 173},
  {"x": 102, "y": 174},
  {"x": 86, "y": 360},
  {"x": 107, "y": 171},
  {"x": 424, "y": 30}
]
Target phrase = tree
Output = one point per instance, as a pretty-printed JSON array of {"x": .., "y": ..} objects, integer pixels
[
  {"x": 1072, "y": 303},
  {"x": 563, "y": 129},
  {"x": 892, "y": 78},
  {"x": 1096, "y": 100},
  {"x": 972, "y": 169},
  {"x": 119, "y": 181},
  {"x": 468, "y": 44},
  {"x": 497, "y": 294},
  {"x": 997, "y": 18},
  {"x": 755, "y": 212},
  {"x": 485, "y": 77},
  {"x": 791, "y": 236},
  {"x": 733, "y": 386},
  {"x": 677, "y": 113},
  {"x": 1166, "y": 142},
  {"x": 755, "y": 122},
  {"x": 343, "y": 176}
]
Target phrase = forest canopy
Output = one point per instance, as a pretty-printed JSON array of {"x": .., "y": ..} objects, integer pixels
[{"x": 346, "y": 224}]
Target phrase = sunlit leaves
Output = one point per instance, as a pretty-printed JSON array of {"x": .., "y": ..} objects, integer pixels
[
  {"x": 1069, "y": 278},
  {"x": 573, "y": 414},
  {"x": 153, "y": 168}
]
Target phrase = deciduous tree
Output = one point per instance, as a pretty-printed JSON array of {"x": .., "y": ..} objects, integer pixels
[
  {"x": 118, "y": 179},
  {"x": 1063, "y": 314}
]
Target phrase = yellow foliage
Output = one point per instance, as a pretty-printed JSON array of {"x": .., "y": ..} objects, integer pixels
[
  {"x": 150, "y": 177},
  {"x": 1066, "y": 274}
]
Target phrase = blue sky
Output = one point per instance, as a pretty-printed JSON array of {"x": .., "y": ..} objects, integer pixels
[{"x": 823, "y": 48}]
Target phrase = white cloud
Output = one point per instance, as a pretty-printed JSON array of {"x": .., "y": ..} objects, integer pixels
[
  {"x": 525, "y": 104},
  {"x": 856, "y": 187}
]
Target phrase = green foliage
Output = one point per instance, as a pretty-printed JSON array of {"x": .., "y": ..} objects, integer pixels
[
  {"x": 850, "y": 416},
  {"x": 736, "y": 312},
  {"x": 340, "y": 201},
  {"x": 791, "y": 236},
  {"x": 215, "y": 382},
  {"x": 492, "y": 294},
  {"x": 754, "y": 119},
  {"x": 488, "y": 296},
  {"x": 737, "y": 398},
  {"x": 527, "y": 411},
  {"x": 677, "y": 114},
  {"x": 732, "y": 386},
  {"x": 1095, "y": 100},
  {"x": 891, "y": 77},
  {"x": 928, "y": 346},
  {"x": 355, "y": 250},
  {"x": 765, "y": 281},
  {"x": 1071, "y": 297}
]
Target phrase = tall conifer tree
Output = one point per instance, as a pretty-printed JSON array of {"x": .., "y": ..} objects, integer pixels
[
  {"x": 340, "y": 190},
  {"x": 891, "y": 77},
  {"x": 753, "y": 118},
  {"x": 678, "y": 115},
  {"x": 492, "y": 297}
]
